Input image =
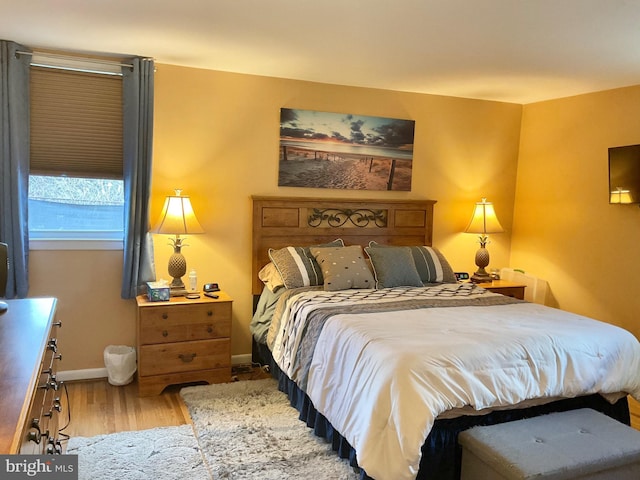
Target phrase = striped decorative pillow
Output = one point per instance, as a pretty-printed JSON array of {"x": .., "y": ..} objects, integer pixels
[
  {"x": 431, "y": 264},
  {"x": 298, "y": 267}
]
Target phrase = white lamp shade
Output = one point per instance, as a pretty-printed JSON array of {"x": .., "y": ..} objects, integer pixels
[
  {"x": 484, "y": 219},
  {"x": 177, "y": 217}
]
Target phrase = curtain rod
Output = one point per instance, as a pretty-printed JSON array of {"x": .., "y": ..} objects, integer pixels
[{"x": 78, "y": 59}]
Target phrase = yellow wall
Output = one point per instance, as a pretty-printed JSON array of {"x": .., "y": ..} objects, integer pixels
[
  {"x": 565, "y": 231},
  {"x": 87, "y": 286},
  {"x": 216, "y": 137}
]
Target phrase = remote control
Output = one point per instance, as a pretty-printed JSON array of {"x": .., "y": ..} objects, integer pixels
[{"x": 212, "y": 295}]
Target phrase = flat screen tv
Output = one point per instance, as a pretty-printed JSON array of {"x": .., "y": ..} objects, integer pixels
[{"x": 624, "y": 174}]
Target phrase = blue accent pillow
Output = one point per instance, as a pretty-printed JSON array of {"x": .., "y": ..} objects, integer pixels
[{"x": 393, "y": 267}]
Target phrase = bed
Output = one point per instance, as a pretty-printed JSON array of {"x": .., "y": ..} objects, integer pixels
[{"x": 386, "y": 356}]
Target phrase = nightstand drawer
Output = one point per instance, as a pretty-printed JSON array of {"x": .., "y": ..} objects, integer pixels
[
  {"x": 176, "y": 328},
  {"x": 188, "y": 322},
  {"x": 515, "y": 292},
  {"x": 184, "y": 356},
  {"x": 509, "y": 289},
  {"x": 180, "y": 314}
]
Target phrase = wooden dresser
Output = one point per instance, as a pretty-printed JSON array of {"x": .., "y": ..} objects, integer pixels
[
  {"x": 30, "y": 399},
  {"x": 183, "y": 341}
]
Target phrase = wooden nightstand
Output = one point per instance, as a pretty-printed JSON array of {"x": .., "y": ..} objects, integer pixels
[
  {"x": 510, "y": 289},
  {"x": 182, "y": 341}
]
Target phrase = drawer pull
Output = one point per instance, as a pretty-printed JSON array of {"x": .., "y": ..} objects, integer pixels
[
  {"x": 57, "y": 406},
  {"x": 52, "y": 383},
  {"x": 34, "y": 436},
  {"x": 54, "y": 447},
  {"x": 186, "y": 358},
  {"x": 165, "y": 333},
  {"x": 209, "y": 329},
  {"x": 165, "y": 316},
  {"x": 209, "y": 313}
]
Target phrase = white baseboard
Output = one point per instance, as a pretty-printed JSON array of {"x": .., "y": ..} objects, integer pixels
[
  {"x": 87, "y": 374},
  {"x": 241, "y": 359},
  {"x": 92, "y": 373}
]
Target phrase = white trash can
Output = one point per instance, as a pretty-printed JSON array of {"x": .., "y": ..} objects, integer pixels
[{"x": 120, "y": 361}]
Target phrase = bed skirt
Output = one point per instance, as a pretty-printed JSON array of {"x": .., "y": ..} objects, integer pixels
[{"x": 441, "y": 454}]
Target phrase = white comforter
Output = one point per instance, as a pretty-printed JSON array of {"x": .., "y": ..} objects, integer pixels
[{"x": 382, "y": 379}]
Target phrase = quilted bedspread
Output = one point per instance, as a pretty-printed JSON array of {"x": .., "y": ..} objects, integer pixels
[{"x": 381, "y": 365}]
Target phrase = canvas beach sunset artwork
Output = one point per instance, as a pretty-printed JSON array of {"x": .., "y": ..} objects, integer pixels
[{"x": 344, "y": 151}]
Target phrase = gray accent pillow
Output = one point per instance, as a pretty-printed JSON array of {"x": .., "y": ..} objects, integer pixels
[
  {"x": 297, "y": 267},
  {"x": 393, "y": 267},
  {"x": 343, "y": 268},
  {"x": 431, "y": 264}
]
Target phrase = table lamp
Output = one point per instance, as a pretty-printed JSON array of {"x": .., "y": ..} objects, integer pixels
[
  {"x": 177, "y": 218},
  {"x": 483, "y": 221}
]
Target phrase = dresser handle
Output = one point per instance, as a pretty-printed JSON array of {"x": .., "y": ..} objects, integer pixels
[
  {"x": 34, "y": 436},
  {"x": 165, "y": 316},
  {"x": 187, "y": 358},
  {"x": 209, "y": 329},
  {"x": 52, "y": 383},
  {"x": 57, "y": 447},
  {"x": 209, "y": 313},
  {"x": 165, "y": 333}
]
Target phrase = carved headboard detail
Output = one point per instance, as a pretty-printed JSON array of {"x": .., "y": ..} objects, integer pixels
[{"x": 282, "y": 221}]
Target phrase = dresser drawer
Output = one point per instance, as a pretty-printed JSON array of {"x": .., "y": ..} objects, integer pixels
[
  {"x": 40, "y": 433},
  {"x": 184, "y": 356},
  {"x": 168, "y": 324}
]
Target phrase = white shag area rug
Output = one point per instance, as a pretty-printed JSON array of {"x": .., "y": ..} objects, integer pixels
[
  {"x": 248, "y": 430},
  {"x": 167, "y": 453}
]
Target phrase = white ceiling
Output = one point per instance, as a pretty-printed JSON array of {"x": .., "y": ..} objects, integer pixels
[{"x": 518, "y": 51}]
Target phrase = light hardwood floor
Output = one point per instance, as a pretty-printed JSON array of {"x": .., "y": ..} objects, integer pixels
[
  {"x": 99, "y": 408},
  {"x": 634, "y": 408}
]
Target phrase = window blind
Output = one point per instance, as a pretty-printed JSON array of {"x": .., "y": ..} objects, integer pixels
[{"x": 76, "y": 123}]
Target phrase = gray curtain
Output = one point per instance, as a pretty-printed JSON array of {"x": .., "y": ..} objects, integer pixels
[
  {"x": 137, "y": 93},
  {"x": 14, "y": 164}
]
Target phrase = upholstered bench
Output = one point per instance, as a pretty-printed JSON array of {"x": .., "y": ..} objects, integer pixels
[{"x": 579, "y": 444}]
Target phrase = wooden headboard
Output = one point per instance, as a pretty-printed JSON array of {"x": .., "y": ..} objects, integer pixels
[{"x": 299, "y": 221}]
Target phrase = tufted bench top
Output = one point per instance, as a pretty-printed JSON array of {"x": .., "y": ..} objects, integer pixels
[{"x": 578, "y": 444}]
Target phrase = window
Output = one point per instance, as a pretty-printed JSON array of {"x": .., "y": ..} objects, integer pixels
[
  {"x": 75, "y": 208},
  {"x": 76, "y": 190}
]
